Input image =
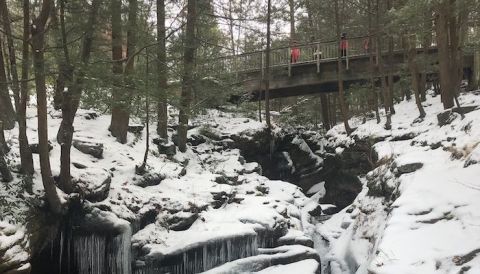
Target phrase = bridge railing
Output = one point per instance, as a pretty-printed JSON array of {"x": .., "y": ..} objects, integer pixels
[{"x": 316, "y": 52}]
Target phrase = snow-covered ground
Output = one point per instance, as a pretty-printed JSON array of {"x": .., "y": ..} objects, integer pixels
[
  {"x": 434, "y": 224},
  {"x": 181, "y": 194}
]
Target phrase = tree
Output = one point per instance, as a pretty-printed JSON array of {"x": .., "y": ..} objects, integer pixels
[
  {"x": 341, "y": 95},
  {"x": 414, "y": 71},
  {"x": 162, "y": 111},
  {"x": 7, "y": 115},
  {"x": 119, "y": 121},
  {"x": 71, "y": 99},
  {"x": 20, "y": 99},
  {"x": 25, "y": 151},
  {"x": 267, "y": 66},
  {"x": 449, "y": 21},
  {"x": 187, "y": 79},
  {"x": 38, "y": 47}
]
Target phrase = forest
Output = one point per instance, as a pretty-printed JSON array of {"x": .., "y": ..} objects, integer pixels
[{"x": 239, "y": 136}]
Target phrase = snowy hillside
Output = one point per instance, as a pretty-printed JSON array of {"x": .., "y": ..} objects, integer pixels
[{"x": 419, "y": 209}]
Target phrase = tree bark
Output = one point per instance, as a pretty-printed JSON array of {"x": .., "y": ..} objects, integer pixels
[
  {"x": 162, "y": 110},
  {"x": 11, "y": 52},
  {"x": 187, "y": 81},
  {"x": 341, "y": 95},
  {"x": 38, "y": 32},
  {"x": 325, "y": 111},
  {"x": 291, "y": 4},
  {"x": 4, "y": 170},
  {"x": 412, "y": 63},
  {"x": 267, "y": 67},
  {"x": 26, "y": 157},
  {"x": 7, "y": 113},
  {"x": 71, "y": 99},
  {"x": 119, "y": 120},
  {"x": 447, "y": 42}
]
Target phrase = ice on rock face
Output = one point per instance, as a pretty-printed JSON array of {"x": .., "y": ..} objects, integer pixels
[
  {"x": 98, "y": 254},
  {"x": 202, "y": 257}
]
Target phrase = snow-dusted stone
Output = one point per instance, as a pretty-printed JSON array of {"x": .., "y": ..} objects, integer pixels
[
  {"x": 93, "y": 184},
  {"x": 14, "y": 254},
  {"x": 227, "y": 179},
  {"x": 150, "y": 179},
  {"x": 295, "y": 237},
  {"x": 446, "y": 117},
  {"x": 269, "y": 257},
  {"x": 317, "y": 211},
  {"x": 407, "y": 168},
  {"x": 34, "y": 147},
  {"x": 473, "y": 158},
  {"x": 90, "y": 115},
  {"x": 181, "y": 221},
  {"x": 196, "y": 139},
  {"x": 252, "y": 167},
  {"x": 91, "y": 148},
  {"x": 137, "y": 129},
  {"x": 164, "y": 147},
  {"x": 330, "y": 210}
]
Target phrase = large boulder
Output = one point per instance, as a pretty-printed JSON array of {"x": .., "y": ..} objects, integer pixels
[
  {"x": 91, "y": 148},
  {"x": 447, "y": 117},
  {"x": 34, "y": 147},
  {"x": 93, "y": 184}
]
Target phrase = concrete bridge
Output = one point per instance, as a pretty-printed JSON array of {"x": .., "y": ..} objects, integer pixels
[{"x": 316, "y": 69}]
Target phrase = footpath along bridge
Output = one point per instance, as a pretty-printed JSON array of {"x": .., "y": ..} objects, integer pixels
[{"x": 316, "y": 69}]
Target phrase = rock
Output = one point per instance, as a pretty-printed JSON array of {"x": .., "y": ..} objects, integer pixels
[
  {"x": 330, "y": 210},
  {"x": 92, "y": 184},
  {"x": 262, "y": 189},
  {"x": 78, "y": 165},
  {"x": 90, "y": 115},
  {"x": 404, "y": 136},
  {"x": 34, "y": 147},
  {"x": 317, "y": 211},
  {"x": 407, "y": 168},
  {"x": 137, "y": 129},
  {"x": 225, "y": 179},
  {"x": 94, "y": 149},
  {"x": 182, "y": 221},
  {"x": 196, "y": 139},
  {"x": 168, "y": 149},
  {"x": 446, "y": 117},
  {"x": 150, "y": 179}
]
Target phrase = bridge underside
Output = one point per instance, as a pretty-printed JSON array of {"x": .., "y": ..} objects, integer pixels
[{"x": 307, "y": 78}]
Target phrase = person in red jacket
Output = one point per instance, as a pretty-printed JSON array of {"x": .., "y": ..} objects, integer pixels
[
  {"x": 343, "y": 45},
  {"x": 294, "y": 53}
]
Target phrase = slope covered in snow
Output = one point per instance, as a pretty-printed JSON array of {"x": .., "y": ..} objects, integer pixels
[{"x": 418, "y": 211}]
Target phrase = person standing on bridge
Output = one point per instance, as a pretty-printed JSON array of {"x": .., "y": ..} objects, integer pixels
[
  {"x": 343, "y": 45},
  {"x": 294, "y": 53}
]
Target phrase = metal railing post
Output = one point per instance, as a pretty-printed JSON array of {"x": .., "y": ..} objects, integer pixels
[{"x": 318, "y": 55}]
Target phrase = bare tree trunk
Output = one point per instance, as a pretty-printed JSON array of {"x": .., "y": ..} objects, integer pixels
[
  {"x": 38, "y": 32},
  {"x": 325, "y": 111},
  {"x": 7, "y": 113},
  {"x": 445, "y": 49},
  {"x": 373, "y": 93},
  {"x": 11, "y": 53},
  {"x": 381, "y": 69},
  {"x": 267, "y": 67},
  {"x": 291, "y": 4},
  {"x": 187, "y": 81},
  {"x": 71, "y": 99},
  {"x": 412, "y": 63},
  {"x": 390, "y": 91},
  {"x": 26, "y": 157},
  {"x": 341, "y": 95},
  {"x": 118, "y": 127},
  {"x": 162, "y": 111}
]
